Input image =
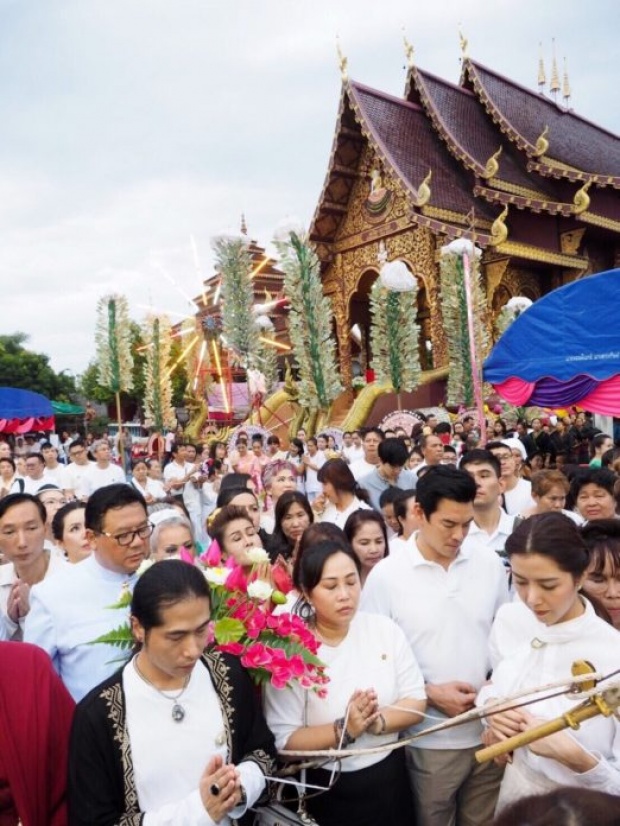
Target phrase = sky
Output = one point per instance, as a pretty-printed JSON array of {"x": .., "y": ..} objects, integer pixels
[{"x": 134, "y": 130}]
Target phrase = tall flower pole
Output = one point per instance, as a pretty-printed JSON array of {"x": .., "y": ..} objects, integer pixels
[
  {"x": 464, "y": 312},
  {"x": 158, "y": 385},
  {"x": 115, "y": 361},
  {"x": 310, "y": 320},
  {"x": 395, "y": 333}
]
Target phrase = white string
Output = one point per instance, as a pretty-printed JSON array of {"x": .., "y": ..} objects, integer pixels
[
  {"x": 415, "y": 711},
  {"x": 297, "y": 783}
]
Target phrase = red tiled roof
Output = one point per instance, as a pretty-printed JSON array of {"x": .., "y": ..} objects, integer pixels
[
  {"x": 523, "y": 114},
  {"x": 405, "y": 136}
]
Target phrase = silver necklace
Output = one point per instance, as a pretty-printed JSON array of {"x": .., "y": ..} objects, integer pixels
[{"x": 178, "y": 712}]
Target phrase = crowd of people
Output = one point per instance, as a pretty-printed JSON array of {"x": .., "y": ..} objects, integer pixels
[{"x": 440, "y": 571}]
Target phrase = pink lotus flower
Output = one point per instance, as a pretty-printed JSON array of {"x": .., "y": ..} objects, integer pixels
[
  {"x": 256, "y": 656},
  {"x": 235, "y": 648}
]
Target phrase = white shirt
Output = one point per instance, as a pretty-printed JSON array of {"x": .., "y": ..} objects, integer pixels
[
  {"x": 446, "y": 616},
  {"x": 102, "y": 477},
  {"x": 339, "y": 518},
  {"x": 374, "y": 654},
  {"x": 519, "y": 499},
  {"x": 353, "y": 454},
  {"x": 361, "y": 468},
  {"x": 312, "y": 483},
  {"x": 169, "y": 757},
  {"x": 56, "y": 476},
  {"x": 77, "y": 479},
  {"x": 545, "y": 655},
  {"x": 13, "y": 630},
  {"x": 153, "y": 488},
  {"x": 69, "y": 611}
]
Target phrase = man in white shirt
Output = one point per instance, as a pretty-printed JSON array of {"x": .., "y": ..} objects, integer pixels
[
  {"x": 517, "y": 492},
  {"x": 74, "y": 607},
  {"x": 491, "y": 526},
  {"x": 77, "y": 472},
  {"x": 445, "y": 597},
  {"x": 192, "y": 492},
  {"x": 432, "y": 451},
  {"x": 371, "y": 439},
  {"x": 178, "y": 471},
  {"x": 103, "y": 471},
  {"x": 313, "y": 460},
  {"x": 55, "y": 473},
  {"x": 35, "y": 476},
  {"x": 352, "y": 450}
]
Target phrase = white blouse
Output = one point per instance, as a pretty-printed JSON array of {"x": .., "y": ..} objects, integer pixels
[
  {"x": 339, "y": 518},
  {"x": 374, "y": 654},
  {"x": 546, "y": 657}
]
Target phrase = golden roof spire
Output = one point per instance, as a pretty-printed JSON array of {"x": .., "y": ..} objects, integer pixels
[
  {"x": 554, "y": 86},
  {"x": 408, "y": 51},
  {"x": 566, "y": 93},
  {"x": 464, "y": 44},
  {"x": 542, "y": 77},
  {"x": 244, "y": 226},
  {"x": 342, "y": 61}
]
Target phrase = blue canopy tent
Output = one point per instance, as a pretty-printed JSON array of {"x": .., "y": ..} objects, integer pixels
[
  {"x": 22, "y": 411},
  {"x": 564, "y": 350}
]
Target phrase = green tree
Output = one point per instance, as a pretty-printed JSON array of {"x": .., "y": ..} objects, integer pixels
[{"x": 23, "y": 368}]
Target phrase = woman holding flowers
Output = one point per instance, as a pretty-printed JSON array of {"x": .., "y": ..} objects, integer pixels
[
  {"x": 376, "y": 690},
  {"x": 176, "y": 736}
]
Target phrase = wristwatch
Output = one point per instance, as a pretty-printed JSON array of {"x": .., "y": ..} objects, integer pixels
[{"x": 243, "y": 798}]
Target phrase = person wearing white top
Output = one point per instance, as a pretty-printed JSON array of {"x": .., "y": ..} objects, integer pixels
[
  {"x": 22, "y": 543},
  {"x": 406, "y": 517},
  {"x": 151, "y": 489},
  {"x": 313, "y": 460},
  {"x": 549, "y": 560},
  {"x": 35, "y": 476},
  {"x": 444, "y": 597},
  {"x": 103, "y": 471},
  {"x": 69, "y": 611},
  {"x": 376, "y": 690},
  {"x": 352, "y": 450},
  {"x": 341, "y": 495},
  {"x": 371, "y": 440},
  {"x": 182, "y": 728},
  {"x": 77, "y": 472},
  {"x": 55, "y": 473},
  {"x": 517, "y": 492}
]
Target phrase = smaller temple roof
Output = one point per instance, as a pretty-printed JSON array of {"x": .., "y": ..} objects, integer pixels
[{"x": 559, "y": 142}]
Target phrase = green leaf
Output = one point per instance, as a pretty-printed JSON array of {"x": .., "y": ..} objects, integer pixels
[
  {"x": 228, "y": 630},
  {"x": 120, "y": 637},
  {"x": 124, "y": 600}
]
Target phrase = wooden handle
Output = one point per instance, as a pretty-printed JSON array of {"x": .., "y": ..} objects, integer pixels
[{"x": 571, "y": 719}]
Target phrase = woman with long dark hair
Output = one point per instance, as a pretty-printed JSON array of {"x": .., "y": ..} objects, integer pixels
[
  {"x": 293, "y": 514},
  {"x": 366, "y": 533},
  {"x": 537, "y": 640},
  {"x": 176, "y": 736}
]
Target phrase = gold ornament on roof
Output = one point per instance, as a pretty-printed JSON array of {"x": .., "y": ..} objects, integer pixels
[
  {"x": 499, "y": 230},
  {"x": 581, "y": 199},
  {"x": 566, "y": 92},
  {"x": 423, "y": 194},
  {"x": 408, "y": 52},
  {"x": 492, "y": 166},
  {"x": 464, "y": 43},
  {"x": 542, "y": 144},
  {"x": 542, "y": 78},
  {"x": 343, "y": 62}
]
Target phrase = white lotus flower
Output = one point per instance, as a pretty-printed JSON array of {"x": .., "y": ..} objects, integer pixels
[
  {"x": 396, "y": 276},
  {"x": 257, "y": 556},
  {"x": 216, "y": 576},
  {"x": 461, "y": 246},
  {"x": 260, "y": 590}
]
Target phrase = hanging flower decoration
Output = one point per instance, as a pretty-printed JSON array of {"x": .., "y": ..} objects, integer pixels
[
  {"x": 310, "y": 318},
  {"x": 158, "y": 386},
  {"x": 113, "y": 339},
  {"x": 462, "y": 382}
]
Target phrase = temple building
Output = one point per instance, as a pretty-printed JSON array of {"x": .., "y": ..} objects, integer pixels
[{"x": 533, "y": 183}]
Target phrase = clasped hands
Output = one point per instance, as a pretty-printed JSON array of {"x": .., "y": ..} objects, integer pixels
[
  {"x": 18, "y": 600},
  {"x": 363, "y": 713},
  {"x": 225, "y": 778}
]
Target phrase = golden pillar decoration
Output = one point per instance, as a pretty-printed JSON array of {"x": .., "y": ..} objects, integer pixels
[{"x": 339, "y": 296}]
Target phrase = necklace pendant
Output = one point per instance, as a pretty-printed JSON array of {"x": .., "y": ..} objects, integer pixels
[{"x": 178, "y": 713}]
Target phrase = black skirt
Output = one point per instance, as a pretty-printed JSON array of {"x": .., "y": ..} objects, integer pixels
[{"x": 379, "y": 794}]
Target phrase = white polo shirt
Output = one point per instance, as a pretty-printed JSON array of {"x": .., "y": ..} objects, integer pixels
[{"x": 446, "y": 616}]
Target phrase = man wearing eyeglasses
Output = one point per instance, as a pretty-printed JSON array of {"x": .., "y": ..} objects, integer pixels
[{"x": 70, "y": 610}]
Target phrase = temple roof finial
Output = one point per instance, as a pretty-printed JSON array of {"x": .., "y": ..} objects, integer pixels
[
  {"x": 464, "y": 44},
  {"x": 244, "y": 226},
  {"x": 408, "y": 51},
  {"x": 542, "y": 77},
  {"x": 554, "y": 86},
  {"x": 342, "y": 61},
  {"x": 566, "y": 93}
]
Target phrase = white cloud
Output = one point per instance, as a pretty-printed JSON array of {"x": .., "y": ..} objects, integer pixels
[{"x": 131, "y": 125}]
